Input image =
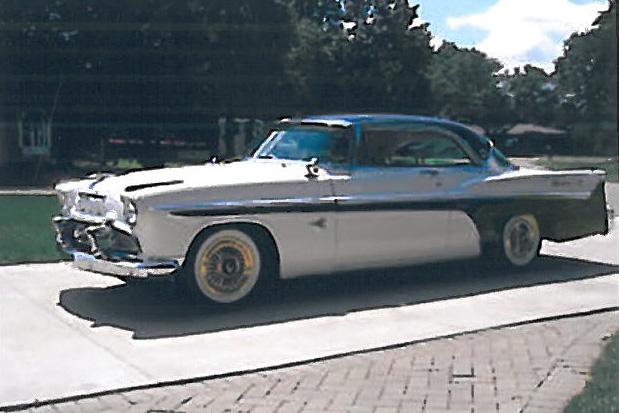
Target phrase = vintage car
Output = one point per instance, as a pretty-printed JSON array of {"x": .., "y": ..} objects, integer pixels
[{"x": 325, "y": 194}]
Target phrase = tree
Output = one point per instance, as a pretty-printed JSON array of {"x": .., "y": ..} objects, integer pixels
[
  {"x": 587, "y": 73},
  {"x": 465, "y": 87},
  {"x": 587, "y": 82},
  {"x": 142, "y": 68},
  {"x": 341, "y": 61},
  {"x": 532, "y": 95}
]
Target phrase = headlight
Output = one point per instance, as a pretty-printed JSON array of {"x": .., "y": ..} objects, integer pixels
[
  {"x": 61, "y": 198},
  {"x": 130, "y": 212},
  {"x": 65, "y": 200}
]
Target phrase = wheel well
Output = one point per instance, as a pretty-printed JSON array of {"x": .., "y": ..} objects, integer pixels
[
  {"x": 258, "y": 232},
  {"x": 490, "y": 219}
]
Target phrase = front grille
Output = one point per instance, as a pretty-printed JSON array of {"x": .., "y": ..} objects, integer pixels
[
  {"x": 101, "y": 240},
  {"x": 91, "y": 204},
  {"x": 114, "y": 245}
]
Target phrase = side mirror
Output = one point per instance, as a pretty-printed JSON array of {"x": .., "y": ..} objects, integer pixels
[
  {"x": 485, "y": 151},
  {"x": 312, "y": 168}
]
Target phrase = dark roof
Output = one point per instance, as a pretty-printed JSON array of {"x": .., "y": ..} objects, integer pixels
[
  {"x": 345, "y": 120},
  {"x": 374, "y": 118}
]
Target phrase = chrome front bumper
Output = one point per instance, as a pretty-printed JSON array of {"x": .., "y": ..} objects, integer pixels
[
  {"x": 131, "y": 269},
  {"x": 106, "y": 248}
]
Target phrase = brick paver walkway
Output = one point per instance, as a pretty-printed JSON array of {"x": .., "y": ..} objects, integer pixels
[{"x": 532, "y": 368}]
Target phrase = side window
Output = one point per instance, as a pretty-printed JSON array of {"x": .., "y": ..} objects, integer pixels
[
  {"x": 328, "y": 144},
  {"x": 410, "y": 148}
]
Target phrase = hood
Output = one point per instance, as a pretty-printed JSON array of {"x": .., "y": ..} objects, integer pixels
[{"x": 249, "y": 171}]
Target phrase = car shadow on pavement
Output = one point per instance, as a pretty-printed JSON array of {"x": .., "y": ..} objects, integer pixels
[{"x": 153, "y": 309}]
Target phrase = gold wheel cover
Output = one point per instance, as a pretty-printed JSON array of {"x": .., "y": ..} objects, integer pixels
[{"x": 226, "y": 265}]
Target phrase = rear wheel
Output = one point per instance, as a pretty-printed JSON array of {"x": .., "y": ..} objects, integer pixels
[
  {"x": 224, "y": 267},
  {"x": 520, "y": 240}
]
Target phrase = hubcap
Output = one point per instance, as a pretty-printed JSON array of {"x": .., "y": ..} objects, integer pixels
[
  {"x": 227, "y": 266},
  {"x": 521, "y": 239}
]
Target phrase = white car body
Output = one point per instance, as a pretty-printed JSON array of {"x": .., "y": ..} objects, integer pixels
[{"x": 323, "y": 219}]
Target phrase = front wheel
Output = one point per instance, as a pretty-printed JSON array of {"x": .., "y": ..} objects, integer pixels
[
  {"x": 520, "y": 240},
  {"x": 224, "y": 268}
]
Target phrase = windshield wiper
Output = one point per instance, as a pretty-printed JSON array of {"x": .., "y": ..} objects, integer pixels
[{"x": 266, "y": 157}]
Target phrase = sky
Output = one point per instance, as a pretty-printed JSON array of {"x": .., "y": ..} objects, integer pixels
[{"x": 517, "y": 32}]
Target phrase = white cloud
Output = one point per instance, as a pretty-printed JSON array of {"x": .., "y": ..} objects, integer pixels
[
  {"x": 523, "y": 32},
  {"x": 436, "y": 42}
]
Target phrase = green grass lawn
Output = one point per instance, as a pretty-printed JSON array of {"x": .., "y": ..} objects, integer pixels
[
  {"x": 26, "y": 233},
  {"x": 610, "y": 166},
  {"x": 601, "y": 394}
]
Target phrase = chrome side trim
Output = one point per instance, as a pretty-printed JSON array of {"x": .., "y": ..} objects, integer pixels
[
  {"x": 336, "y": 203},
  {"x": 247, "y": 204}
]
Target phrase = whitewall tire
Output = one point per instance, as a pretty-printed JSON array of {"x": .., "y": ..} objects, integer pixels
[
  {"x": 225, "y": 267},
  {"x": 520, "y": 240}
]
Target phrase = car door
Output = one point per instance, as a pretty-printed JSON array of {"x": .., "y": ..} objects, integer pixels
[
  {"x": 300, "y": 215},
  {"x": 458, "y": 167},
  {"x": 390, "y": 209},
  {"x": 300, "y": 202}
]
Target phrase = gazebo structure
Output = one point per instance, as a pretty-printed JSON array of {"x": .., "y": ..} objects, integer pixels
[{"x": 526, "y": 139}]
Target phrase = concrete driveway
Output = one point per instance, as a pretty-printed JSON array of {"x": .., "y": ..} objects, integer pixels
[{"x": 65, "y": 332}]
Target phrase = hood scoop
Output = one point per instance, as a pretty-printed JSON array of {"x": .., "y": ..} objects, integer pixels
[{"x": 133, "y": 188}]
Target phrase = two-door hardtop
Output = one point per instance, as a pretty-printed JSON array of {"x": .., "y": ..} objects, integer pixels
[{"x": 324, "y": 194}]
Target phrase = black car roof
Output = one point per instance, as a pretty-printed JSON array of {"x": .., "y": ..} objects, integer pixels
[
  {"x": 374, "y": 118},
  {"x": 346, "y": 120}
]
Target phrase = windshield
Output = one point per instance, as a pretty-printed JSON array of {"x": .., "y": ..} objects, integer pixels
[{"x": 329, "y": 145}]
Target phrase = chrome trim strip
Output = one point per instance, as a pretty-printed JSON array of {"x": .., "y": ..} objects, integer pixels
[
  {"x": 541, "y": 173},
  {"x": 89, "y": 262},
  {"x": 86, "y": 218},
  {"x": 248, "y": 204},
  {"x": 333, "y": 202},
  {"x": 316, "y": 122}
]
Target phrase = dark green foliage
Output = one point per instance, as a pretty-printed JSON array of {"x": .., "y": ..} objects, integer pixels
[
  {"x": 464, "y": 86},
  {"x": 383, "y": 68},
  {"x": 601, "y": 394},
  {"x": 158, "y": 68},
  {"x": 143, "y": 69},
  {"x": 533, "y": 96},
  {"x": 587, "y": 80},
  {"x": 587, "y": 74}
]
